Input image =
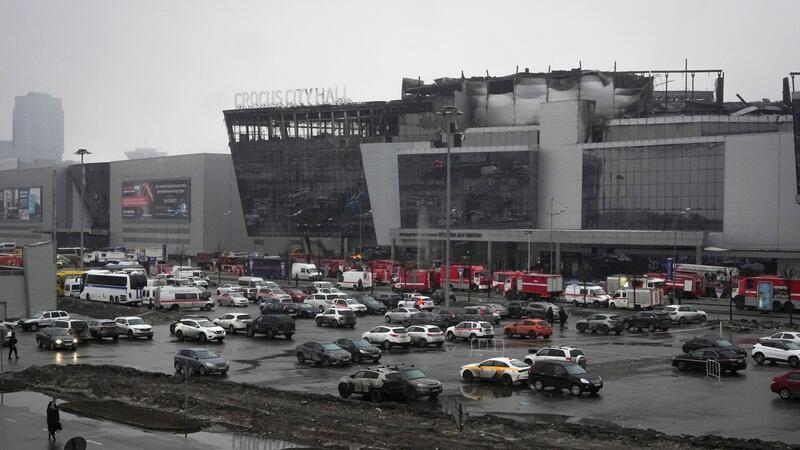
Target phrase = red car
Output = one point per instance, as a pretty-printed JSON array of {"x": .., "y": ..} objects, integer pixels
[
  {"x": 531, "y": 328},
  {"x": 787, "y": 385},
  {"x": 297, "y": 295}
]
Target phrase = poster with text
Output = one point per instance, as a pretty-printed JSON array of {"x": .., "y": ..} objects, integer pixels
[
  {"x": 156, "y": 200},
  {"x": 21, "y": 204}
]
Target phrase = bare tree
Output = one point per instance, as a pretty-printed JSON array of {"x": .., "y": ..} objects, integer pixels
[{"x": 788, "y": 273}]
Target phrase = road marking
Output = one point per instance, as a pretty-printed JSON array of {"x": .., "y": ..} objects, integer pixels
[
  {"x": 10, "y": 420},
  {"x": 94, "y": 442}
]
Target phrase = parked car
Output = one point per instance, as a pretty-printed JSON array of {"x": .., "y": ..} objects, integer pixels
[
  {"x": 470, "y": 330},
  {"x": 336, "y": 317},
  {"x": 41, "y": 319},
  {"x": 787, "y": 385},
  {"x": 378, "y": 383},
  {"x": 77, "y": 328},
  {"x": 55, "y": 338},
  {"x": 421, "y": 303},
  {"x": 200, "y": 329},
  {"x": 200, "y": 361},
  {"x": 498, "y": 308},
  {"x": 232, "y": 298},
  {"x": 424, "y": 335},
  {"x": 701, "y": 342},
  {"x": 325, "y": 353},
  {"x": 776, "y": 351},
  {"x": 296, "y": 294},
  {"x": 389, "y": 299},
  {"x": 399, "y": 314},
  {"x": 604, "y": 323},
  {"x": 479, "y": 313},
  {"x": 351, "y": 304},
  {"x": 266, "y": 294},
  {"x": 563, "y": 375},
  {"x": 360, "y": 349},
  {"x": 233, "y": 322},
  {"x": 305, "y": 311},
  {"x": 508, "y": 371},
  {"x": 791, "y": 336},
  {"x": 271, "y": 325},
  {"x": 729, "y": 360},
  {"x": 518, "y": 310},
  {"x": 134, "y": 327},
  {"x": 438, "y": 296},
  {"x": 373, "y": 306},
  {"x": 387, "y": 337},
  {"x": 647, "y": 319},
  {"x": 531, "y": 328},
  {"x": 428, "y": 318},
  {"x": 539, "y": 309},
  {"x": 683, "y": 314},
  {"x": 287, "y": 307},
  {"x": 562, "y": 353},
  {"x": 229, "y": 288},
  {"x": 418, "y": 383},
  {"x": 191, "y": 316},
  {"x": 320, "y": 301}
]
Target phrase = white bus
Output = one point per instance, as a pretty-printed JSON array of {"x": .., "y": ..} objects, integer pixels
[{"x": 113, "y": 287}]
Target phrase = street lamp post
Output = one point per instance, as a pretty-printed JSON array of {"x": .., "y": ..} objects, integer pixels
[
  {"x": 361, "y": 229},
  {"x": 529, "y": 233},
  {"x": 551, "y": 214},
  {"x": 675, "y": 251},
  {"x": 82, "y": 152},
  {"x": 449, "y": 113},
  {"x": 219, "y": 244}
]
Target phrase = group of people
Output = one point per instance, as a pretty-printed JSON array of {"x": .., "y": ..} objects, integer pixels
[{"x": 551, "y": 316}]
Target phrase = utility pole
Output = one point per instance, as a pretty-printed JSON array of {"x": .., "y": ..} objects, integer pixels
[
  {"x": 82, "y": 152},
  {"x": 448, "y": 112},
  {"x": 675, "y": 253},
  {"x": 551, "y": 214}
]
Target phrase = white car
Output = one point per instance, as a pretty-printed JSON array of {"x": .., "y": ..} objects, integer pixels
[
  {"x": 352, "y": 304},
  {"x": 425, "y": 335},
  {"x": 233, "y": 322},
  {"x": 509, "y": 371},
  {"x": 331, "y": 291},
  {"x": 399, "y": 314},
  {"x": 421, "y": 303},
  {"x": 412, "y": 295},
  {"x": 232, "y": 298},
  {"x": 320, "y": 301},
  {"x": 202, "y": 329},
  {"x": 470, "y": 330},
  {"x": 776, "y": 351},
  {"x": 683, "y": 314},
  {"x": 790, "y": 336},
  {"x": 562, "y": 353},
  {"x": 228, "y": 288},
  {"x": 199, "y": 282},
  {"x": 134, "y": 327},
  {"x": 387, "y": 337}
]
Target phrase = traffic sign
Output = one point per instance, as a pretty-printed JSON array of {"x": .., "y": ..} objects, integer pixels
[
  {"x": 718, "y": 291},
  {"x": 460, "y": 271}
]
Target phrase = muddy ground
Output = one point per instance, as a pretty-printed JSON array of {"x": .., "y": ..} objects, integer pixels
[
  {"x": 100, "y": 310},
  {"x": 323, "y": 420}
]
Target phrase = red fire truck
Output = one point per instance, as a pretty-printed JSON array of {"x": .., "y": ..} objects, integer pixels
[
  {"x": 383, "y": 270},
  {"x": 748, "y": 295},
  {"x": 415, "y": 281},
  {"x": 462, "y": 276},
  {"x": 14, "y": 260},
  {"x": 714, "y": 277},
  {"x": 686, "y": 284},
  {"x": 499, "y": 279},
  {"x": 537, "y": 286}
]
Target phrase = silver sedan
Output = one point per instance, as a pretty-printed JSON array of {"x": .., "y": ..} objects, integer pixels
[{"x": 399, "y": 314}]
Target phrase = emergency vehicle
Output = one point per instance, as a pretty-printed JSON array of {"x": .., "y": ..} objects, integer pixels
[
  {"x": 537, "y": 286},
  {"x": 748, "y": 295}
]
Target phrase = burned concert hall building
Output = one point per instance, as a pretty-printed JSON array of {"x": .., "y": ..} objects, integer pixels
[{"x": 563, "y": 164}]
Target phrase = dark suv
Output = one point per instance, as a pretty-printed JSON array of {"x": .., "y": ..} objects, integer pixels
[
  {"x": 389, "y": 299},
  {"x": 279, "y": 307},
  {"x": 377, "y": 382},
  {"x": 325, "y": 353},
  {"x": 713, "y": 342},
  {"x": 271, "y": 325},
  {"x": 418, "y": 384},
  {"x": 563, "y": 375},
  {"x": 647, "y": 319}
]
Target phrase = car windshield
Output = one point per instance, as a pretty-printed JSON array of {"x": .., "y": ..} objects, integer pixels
[
  {"x": 37, "y": 314},
  {"x": 574, "y": 369},
  {"x": 330, "y": 346},
  {"x": 724, "y": 343},
  {"x": 575, "y": 353},
  {"x": 60, "y": 331},
  {"x": 792, "y": 345},
  {"x": 206, "y": 354},
  {"x": 613, "y": 317},
  {"x": 361, "y": 343},
  {"x": 205, "y": 323},
  {"x": 394, "y": 376},
  {"x": 136, "y": 321},
  {"x": 414, "y": 374},
  {"x": 517, "y": 363},
  {"x": 728, "y": 354},
  {"x": 485, "y": 325},
  {"x": 107, "y": 323}
]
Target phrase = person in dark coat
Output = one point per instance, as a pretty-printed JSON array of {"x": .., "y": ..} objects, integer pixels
[
  {"x": 550, "y": 316},
  {"x": 360, "y": 285},
  {"x": 12, "y": 345},
  {"x": 53, "y": 420},
  {"x": 562, "y": 317}
]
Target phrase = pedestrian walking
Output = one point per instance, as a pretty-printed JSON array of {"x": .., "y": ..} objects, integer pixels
[
  {"x": 53, "y": 420},
  {"x": 12, "y": 345},
  {"x": 562, "y": 317},
  {"x": 360, "y": 285},
  {"x": 550, "y": 316}
]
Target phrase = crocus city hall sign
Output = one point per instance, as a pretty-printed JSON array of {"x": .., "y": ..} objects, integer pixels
[{"x": 335, "y": 95}]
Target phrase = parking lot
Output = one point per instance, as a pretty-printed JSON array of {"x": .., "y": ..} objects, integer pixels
[{"x": 641, "y": 389}]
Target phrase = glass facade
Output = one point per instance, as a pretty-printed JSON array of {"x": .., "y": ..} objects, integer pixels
[
  {"x": 303, "y": 187},
  {"x": 646, "y": 188},
  {"x": 492, "y": 190}
]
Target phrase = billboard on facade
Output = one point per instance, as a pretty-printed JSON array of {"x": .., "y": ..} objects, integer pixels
[
  {"x": 149, "y": 200},
  {"x": 21, "y": 203}
]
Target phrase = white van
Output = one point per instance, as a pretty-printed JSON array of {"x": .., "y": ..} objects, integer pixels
[
  {"x": 351, "y": 278},
  {"x": 250, "y": 286},
  {"x": 180, "y": 297},
  {"x": 305, "y": 272},
  {"x": 594, "y": 295},
  {"x": 645, "y": 298},
  {"x": 72, "y": 287}
]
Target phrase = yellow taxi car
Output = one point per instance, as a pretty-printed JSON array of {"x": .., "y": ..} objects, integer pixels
[{"x": 508, "y": 371}]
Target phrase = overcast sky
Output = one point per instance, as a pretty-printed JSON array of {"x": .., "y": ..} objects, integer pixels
[{"x": 158, "y": 74}]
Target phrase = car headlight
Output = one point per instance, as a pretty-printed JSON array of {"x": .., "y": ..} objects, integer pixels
[
  {"x": 58, "y": 341},
  {"x": 584, "y": 381},
  {"x": 209, "y": 365},
  {"x": 74, "y": 341}
]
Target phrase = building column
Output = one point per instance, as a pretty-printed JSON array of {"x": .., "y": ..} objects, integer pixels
[
  {"x": 394, "y": 244},
  {"x": 489, "y": 256},
  {"x": 698, "y": 254}
]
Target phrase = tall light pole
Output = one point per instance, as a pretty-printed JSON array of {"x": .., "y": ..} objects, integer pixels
[
  {"x": 449, "y": 113},
  {"x": 82, "y": 152},
  {"x": 219, "y": 245},
  {"x": 675, "y": 251},
  {"x": 361, "y": 229},
  {"x": 529, "y": 233},
  {"x": 551, "y": 214}
]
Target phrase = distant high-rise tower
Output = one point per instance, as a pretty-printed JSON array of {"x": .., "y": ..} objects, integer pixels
[{"x": 38, "y": 127}]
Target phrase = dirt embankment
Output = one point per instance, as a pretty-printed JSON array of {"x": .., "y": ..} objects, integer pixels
[
  {"x": 323, "y": 420},
  {"x": 99, "y": 310}
]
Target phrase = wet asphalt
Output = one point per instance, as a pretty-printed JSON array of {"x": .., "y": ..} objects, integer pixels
[{"x": 641, "y": 389}]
